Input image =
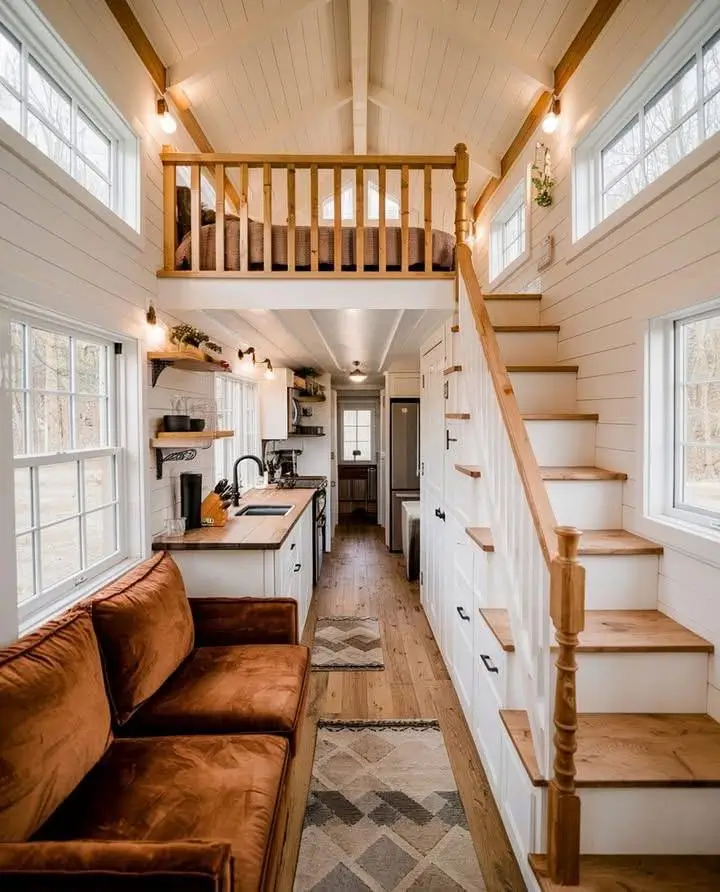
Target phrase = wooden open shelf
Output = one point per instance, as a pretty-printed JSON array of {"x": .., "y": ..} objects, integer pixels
[
  {"x": 166, "y": 440},
  {"x": 187, "y": 361}
]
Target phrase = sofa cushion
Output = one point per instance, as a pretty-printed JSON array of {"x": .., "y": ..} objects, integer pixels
[
  {"x": 54, "y": 721},
  {"x": 145, "y": 629},
  {"x": 229, "y": 690},
  {"x": 171, "y": 788}
]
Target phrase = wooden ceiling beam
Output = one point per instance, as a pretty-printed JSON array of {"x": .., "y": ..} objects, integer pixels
[
  {"x": 215, "y": 54},
  {"x": 385, "y": 99},
  {"x": 359, "y": 13},
  {"x": 503, "y": 53},
  {"x": 580, "y": 46}
]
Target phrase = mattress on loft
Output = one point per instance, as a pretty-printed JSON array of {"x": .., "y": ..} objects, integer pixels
[{"x": 443, "y": 248}]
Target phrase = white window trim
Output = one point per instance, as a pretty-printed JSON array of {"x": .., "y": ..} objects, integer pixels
[
  {"x": 503, "y": 214},
  {"x": 660, "y": 520},
  {"x": 350, "y": 188},
  {"x": 352, "y": 405},
  {"x": 26, "y": 22},
  {"x": 230, "y": 442},
  {"x": 588, "y": 227}
]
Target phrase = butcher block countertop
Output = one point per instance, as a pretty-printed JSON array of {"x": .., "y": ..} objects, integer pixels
[{"x": 245, "y": 533}]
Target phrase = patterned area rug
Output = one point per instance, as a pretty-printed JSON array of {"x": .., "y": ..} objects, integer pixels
[
  {"x": 347, "y": 642},
  {"x": 384, "y": 813}
]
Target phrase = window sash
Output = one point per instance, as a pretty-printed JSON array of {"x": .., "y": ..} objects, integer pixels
[
  {"x": 504, "y": 250},
  {"x": 238, "y": 408},
  {"x": 356, "y": 434}
]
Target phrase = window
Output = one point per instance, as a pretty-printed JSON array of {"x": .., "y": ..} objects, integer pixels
[
  {"x": 507, "y": 232},
  {"x": 372, "y": 204},
  {"x": 671, "y": 108},
  {"x": 67, "y": 460},
  {"x": 357, "y": 434},
  {"x": 50, "y": 100},
  {"x": 238, "y": 411},
  {"x": 696, "y": 489}
]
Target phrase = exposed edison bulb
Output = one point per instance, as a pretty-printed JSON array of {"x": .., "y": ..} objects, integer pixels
[
  {"x": 552, "y": 118},
  {"x": 269, "y": 372},
  {"x": 167, "y": 123},
  {"x": 155, "y": 334}
]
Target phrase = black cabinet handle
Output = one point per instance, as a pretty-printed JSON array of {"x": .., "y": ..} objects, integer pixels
[
  {"x": 441, "y": 515},
  {"x": 462, "y": 614},
  {"x": 292, "y": 546},
  {"x": 449, "y": 439},
  {"x": 297, "y": 567},
  {"x": 437, "y": 512},
  {"x": 488, "y": 663}
]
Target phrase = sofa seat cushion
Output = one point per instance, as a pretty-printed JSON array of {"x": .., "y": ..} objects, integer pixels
[
  {"x": 230, "y": 690},
  {"x": 176, "y": 788}
]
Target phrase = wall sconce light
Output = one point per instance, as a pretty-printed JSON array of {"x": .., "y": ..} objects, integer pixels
[
  {"x": 154, "y": 331},
  {"x": 167, "y": 122},
  {"x": 552, "y": 116},
  {"x": 269, "y": 372},
  {"x": 247, "y": 359}
]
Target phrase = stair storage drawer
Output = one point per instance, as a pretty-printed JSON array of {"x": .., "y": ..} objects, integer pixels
[
  {"x": 487, "y": 728},
  {"x": 491, "y": 660}
]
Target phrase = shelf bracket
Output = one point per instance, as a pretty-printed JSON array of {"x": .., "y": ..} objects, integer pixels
[
  {"x": 178, "y": 455},
  {"x": 158, "y": 366}
]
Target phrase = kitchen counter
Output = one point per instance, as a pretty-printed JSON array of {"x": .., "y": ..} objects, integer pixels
[{"x": 245, "y": 533}]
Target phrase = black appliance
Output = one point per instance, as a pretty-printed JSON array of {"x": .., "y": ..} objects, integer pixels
[
  {"x": 191, "y": 499},
  {"x": 319, "y": 484}
]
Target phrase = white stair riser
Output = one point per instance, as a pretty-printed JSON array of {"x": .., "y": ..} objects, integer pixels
[
  {"x": 563, "y": 442},
  {"x": 545, "y": 391},
  {"x": 528, "y": 347},
  {"x": 514, "y": 312},
  {"x": 641, "y": 682},
  {"x": 654, "y": 821},
  {"x": 587, "y": 504},
  {"x": 620, "y": 582}
]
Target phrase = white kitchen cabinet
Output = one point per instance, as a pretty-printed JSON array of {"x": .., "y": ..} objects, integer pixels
[{"x": 274, "y": 405}]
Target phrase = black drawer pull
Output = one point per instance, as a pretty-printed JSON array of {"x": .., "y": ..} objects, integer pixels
[
  {"x": 297, "y": 567},
  {"x": 292, "y": 546},
  {"x": 441, "y": 514},
  {"x": 462, "y": 614},
  {"x": 488, "y": 663},
  {"x": 437, "y": 512}
]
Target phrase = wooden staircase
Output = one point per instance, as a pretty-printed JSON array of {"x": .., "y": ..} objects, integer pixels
[{"x": 648, "y": 757}]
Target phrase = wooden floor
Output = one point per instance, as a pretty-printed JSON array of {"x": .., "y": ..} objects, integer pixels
[{"x": 360, "y": 578}]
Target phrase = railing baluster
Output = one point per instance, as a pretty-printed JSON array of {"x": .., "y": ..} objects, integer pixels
[
  {"x": 360, "y": 219},
  {"x": 404, "y": 217},
  {"x": 428, "y": 218},
  {"x": 291, "y": 218},
  {"x": 337, "y": 203},
  {"x": 567, "y": 609},
  {"x": 382, "y": 228},
  {"x": 219, "y": 217},
  {"x": 169, "y": 213},
  {"x": 195, "y": 216},
  {"x": 267, "y": 217},
  {"x": 244, "y": 234},
  {"x": 314, "y": 213}
]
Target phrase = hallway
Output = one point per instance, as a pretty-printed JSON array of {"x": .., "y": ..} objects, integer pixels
[{"x": 361, "y": 578}]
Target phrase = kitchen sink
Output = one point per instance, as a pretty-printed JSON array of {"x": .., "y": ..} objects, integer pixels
[{"x": 263, "y": 511}]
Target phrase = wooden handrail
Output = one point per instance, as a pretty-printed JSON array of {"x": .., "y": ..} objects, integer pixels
[
  {"x": 535, "y": 490},
  {"x": 302, "y": 162}
]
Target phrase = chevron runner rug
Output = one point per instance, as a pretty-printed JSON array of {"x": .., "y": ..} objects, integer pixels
[
  {"x": 384, "y": 813},
  {"x": 347, "y": 642}
]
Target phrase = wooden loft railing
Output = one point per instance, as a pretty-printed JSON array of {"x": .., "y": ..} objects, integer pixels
[
  {"x": 554, "y": 550},
  {"x": 217, "y": 168}
]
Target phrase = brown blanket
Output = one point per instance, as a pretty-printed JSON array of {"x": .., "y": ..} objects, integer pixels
[{"x": 443, "y": 248}]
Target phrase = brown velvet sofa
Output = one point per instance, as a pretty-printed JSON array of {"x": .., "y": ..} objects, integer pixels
[{"x": 198, "y": 806}]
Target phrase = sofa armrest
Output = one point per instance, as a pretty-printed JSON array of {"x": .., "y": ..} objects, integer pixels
[
  {"x": 86, "y": 866},
  {"x": 227, "y": 621}
]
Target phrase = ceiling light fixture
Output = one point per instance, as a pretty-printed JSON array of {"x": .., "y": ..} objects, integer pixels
[
  {"x": 154, "y": 332},
  {"x": 247, "y": 359},
  {"x": 552, "y": 116},
  {"x": 167, "y": 123},
  {"x": 356, "y": 376},
  {"x": 269, "y": 371}
]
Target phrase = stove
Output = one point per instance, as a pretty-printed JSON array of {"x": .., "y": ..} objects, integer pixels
[
  {"x": 299, "y": 481},
  {"x": 319, "y": 484}
]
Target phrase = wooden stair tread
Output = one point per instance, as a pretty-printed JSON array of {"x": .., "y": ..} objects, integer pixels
[
  {"x": 632, "y": 749},
  {"x": 560, "y": 472},
  {"x": 615, "y": 631},
  {"x": 457, "y": 416},
  {"x": 637, "y": 873},
  {"x": 469, "y": 470},
  {"x": 511, "y": 295},
  {"x": 622, "y": 542},
  {"x": 452, "y": 369},
  {"x": 522, "y": 329},
  {"x": 481, "y": 536},
  {"x": 548, "y": 368},
  {"x": 560, "y": 416}
]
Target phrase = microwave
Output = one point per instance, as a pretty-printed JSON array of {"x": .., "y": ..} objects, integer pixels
[{"x": 294, "y": 413}]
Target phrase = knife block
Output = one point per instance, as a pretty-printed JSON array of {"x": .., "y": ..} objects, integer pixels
[{"x": 212, "y": 513}]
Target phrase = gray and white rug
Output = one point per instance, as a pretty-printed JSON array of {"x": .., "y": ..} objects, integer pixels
[
  {"x": 347, "y": 642},
  {"x": 384, "y": 813}
]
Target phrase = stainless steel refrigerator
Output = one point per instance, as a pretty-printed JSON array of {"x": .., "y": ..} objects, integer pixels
[{"x": 404, "y": 462}]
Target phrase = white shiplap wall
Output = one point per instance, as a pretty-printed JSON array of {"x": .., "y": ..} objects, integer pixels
[{"x": 666, "y": 257}]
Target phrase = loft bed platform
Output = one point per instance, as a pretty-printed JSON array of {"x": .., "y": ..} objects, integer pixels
[{"x": 229, "y": 216}]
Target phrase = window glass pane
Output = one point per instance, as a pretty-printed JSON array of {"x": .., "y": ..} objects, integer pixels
[
  {"x": 673, "y": 103},
  {"x": 59, "y": 552},
  {"x": 49, "y": 100},
  {"x": 701, "y": 474},
  {"x": 623, "y": 190},
  {"x": 90, "y": 368},
  {"x": 621, "y": 152},
  {"x": 99, "y": 477},
  {"x": 50, "y": 361},
  {"x": 100, "y": 535},
  {"x": 23, "y": 500},
  {"x": 17, "y": 354},
  {"x": 58, "y": 491},
  {"x": 50, "y": 427},
  {"x": 18, "y": 423},
  {"x": 701, "y": 348},
  {"x": 91, "y": 422},
  {"x": 10, "y": 108},
  {"x": 25, "y": 567},
  {"x": 9, "y": 59},
  {"x": 92, "y": 181},
  {"x": 671, "y": 150},
  {"x": 712, "y": 115},
  {"x": 49, "y": 144},
  {"x": 711, "y": 63},
  {"x": 93, "y": 144}
]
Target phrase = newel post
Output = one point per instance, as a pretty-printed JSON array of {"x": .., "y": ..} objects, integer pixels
[
  {"x": 567, "y": 609},
  {"x": 461, "y": 175}
]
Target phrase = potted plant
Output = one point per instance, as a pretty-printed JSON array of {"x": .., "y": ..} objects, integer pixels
[
  {"x": 187, "y": 337},
  {"x": 541, "y": 177}
]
